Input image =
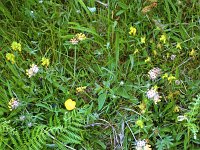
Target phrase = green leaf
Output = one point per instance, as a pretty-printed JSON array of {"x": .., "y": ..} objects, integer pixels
[
  {"x": 131, "y": 61},
  {"x": 123, "y": 92},
  {"x": 101, "y": 100},
  {"x": 119, "y": 12}
]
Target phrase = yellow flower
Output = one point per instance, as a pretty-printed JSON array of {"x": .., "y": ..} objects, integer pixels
[
  {"x": 155, "y": 52},
  {"x": 81, "y": 89},
  {"x": 147, "y": 147},
  {"x": 171, "y": 78},
  {"x": 170, "y": 95},
  {"x": 168, "y": 55},
  {"x": 176, "y": 93},
  {"x": 192, "y": 53},
  {"x": 155, "y": 87},
  {"x": 140, "y": 123},
  {"x": 143, "y": 39},
  {"x": 176, "y": 109},
  {"x": 132, "y": 31},
  {"x": 16, "y": 46},
  {"x": 80, "y": 36},
  {"x": 147, "y": 60},
  {"x": 13, "y": 104},
  {"x": 178, "y": 46},
  {"x": 70, "y": 104},
  {"x": 142, "y": 107},
  {"x": 10, "y": 57},
  {"x": 45, "y": 61},
  {"x": 163, "y": 38},
  {"x": 159, "y": 46},
  {"x": 136, "y": 51},
  {"x": 165, "y": 76}
]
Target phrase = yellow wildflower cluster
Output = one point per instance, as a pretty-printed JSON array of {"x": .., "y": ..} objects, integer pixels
[
  {"x": 132, "y": 31},
  {"x": 78, "y": 37},
  {"x": 163, "y": 38},
  {"x": 45, "y": 61},
  {"x": 140, "y": 123},
  {"x": 142, "y": 107},
  {"x": 170, "y": 77},
  {"x": 192, "y": 53},
  {"x": 70, "y": 104},
  {"x": 10, "y": 57},
  {"x": 81, "y": 89},
  {"x": 16, "y": 46},
  {"x": 170, "y": 95}
]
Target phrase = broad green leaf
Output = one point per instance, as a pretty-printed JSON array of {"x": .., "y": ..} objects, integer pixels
[{"x": 101, "y": 100}]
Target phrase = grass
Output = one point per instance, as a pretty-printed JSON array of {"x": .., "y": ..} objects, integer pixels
[{"x": 115, "y": 110}]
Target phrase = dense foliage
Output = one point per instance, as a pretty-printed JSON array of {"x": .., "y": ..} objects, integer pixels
[{"x": 90, "y": 74}]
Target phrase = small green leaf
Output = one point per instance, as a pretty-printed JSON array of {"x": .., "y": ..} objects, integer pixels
[
  {"x": 101, "y": 100},
  {"x": 131, "y": 61},
  {"x": 123, "y": 92}
]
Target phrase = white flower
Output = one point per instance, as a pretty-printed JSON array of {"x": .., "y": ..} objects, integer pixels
[
  {"x": 141, "y": 143},
  {"x": 92, "y": 9},
  {"x": 177, "y": 82},
  {"x": 30, "y": 124},
  {"x": 32, "y": 14},
  {"x": 181, "y": 118},
  {"x": 173, "y": 57},
  {"x": 121, "y": 83},
  {"x": 114, "y": 96},
  {"x": 154, "y": 95},
  {"x": 35, "y": 68},
  {"x": 195, "y": 136},
  {"x": 78, "y": 11},
  {"x": 74, "y": 41},
  {"x": 32, "y": 71},
  {"x": 154, "y": 73},
  {"x": 13, "y": 104},
  {"x": 22, "y": 118},
  {"x": 151, "y": 93},
  {"x": 156, "y": 98}
]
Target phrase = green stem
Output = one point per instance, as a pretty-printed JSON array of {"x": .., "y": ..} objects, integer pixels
[{"x": 75, "y": 62}]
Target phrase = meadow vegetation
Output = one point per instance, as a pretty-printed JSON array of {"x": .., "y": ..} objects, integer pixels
[{"x": 90, "y": 74}]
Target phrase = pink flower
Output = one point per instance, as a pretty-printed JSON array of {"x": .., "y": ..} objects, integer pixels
[{"x": 154, "y": 73}]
